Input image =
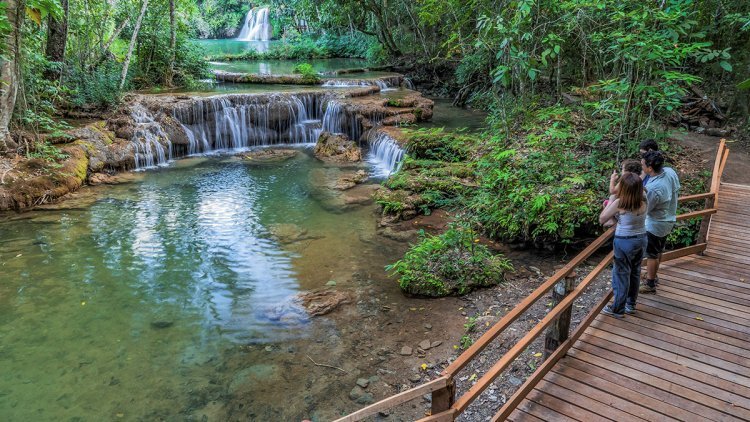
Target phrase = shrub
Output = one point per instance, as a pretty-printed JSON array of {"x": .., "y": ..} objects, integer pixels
[{"x": 451, "y": 263}]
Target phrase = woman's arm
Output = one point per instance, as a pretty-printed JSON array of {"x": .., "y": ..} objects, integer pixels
[
  {"x": 613, "y": 188},
  {"x": 610, "y": 211}
]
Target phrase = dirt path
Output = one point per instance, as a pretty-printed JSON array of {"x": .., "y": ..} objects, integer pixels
[{"x": 738, "y": 166}]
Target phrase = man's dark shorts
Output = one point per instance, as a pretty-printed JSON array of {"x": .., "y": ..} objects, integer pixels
[{"x": 655, "y": 245}]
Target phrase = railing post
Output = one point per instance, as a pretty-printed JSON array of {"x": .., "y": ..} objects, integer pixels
[
  {"x": 444, "y": 398},
  {"x": 559, "y": 331},
  {"x": 705, "y": 221}
]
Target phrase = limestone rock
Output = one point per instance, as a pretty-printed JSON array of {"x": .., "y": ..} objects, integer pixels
[
  {"x": 268, "y": 155},
  {"x": 425, "y": 344},
  {"x": 337, "y": 148},
  {"x": 323, "y": 302},
  {"x": 405, "y": 351}
]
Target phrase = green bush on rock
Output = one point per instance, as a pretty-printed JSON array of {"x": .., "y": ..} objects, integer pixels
[{"x": 448, "y": 264}]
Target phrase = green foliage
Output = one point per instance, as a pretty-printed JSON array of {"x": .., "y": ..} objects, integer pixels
[
  {"x": 438, "y": 144},
  {"x": 97, "y": 90},
  {"x": 310, "y": 47},
  {"x": 451, "y": 263},
  {"x": 47, "y": 152},
  {"x": 307, "y": 72}
]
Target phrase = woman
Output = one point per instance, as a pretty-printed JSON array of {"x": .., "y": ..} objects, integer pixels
[{"x": 629, "y": 208}]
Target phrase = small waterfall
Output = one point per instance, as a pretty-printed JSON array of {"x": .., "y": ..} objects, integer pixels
[
  {"x": 408, "y": 84},
  {"x": 149, "y": 151},
  {"x": 243, "y": 121},
  {"x": 343, "y": 83},
  {"x": 336, "y": 120},
  {"x": 385, "y": 154},
  {"x": 257, "y": 26}
]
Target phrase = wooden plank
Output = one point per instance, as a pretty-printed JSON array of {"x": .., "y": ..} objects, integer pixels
[
  {"x": 696, "y": 214},
  {"x": 696, "y": 196},
  {"x": 561, "y": 406},
  {"x": 725, "y": 335},
  {"x": 724, "y": 274},
  {"x": 543, "y": 412},
  {"x": 661, "y": 327},
  {"x": 520, "y": 416},
  {"x": 741, "y": 261},
  {"x": 399, "y": 398},
  {"x": 707, "y": 299},
  {"x": 463, "y": 402},
  {"x": 715, "y": 264},
  {"x": 633, "y": 392},
  {"x": 447, "y": 416},
  {"x": 679, "y": 308},
  {"x": 603, "y": 403},
  {"x": 658, "y": 388},
  {"x": 736, "y": 187},
  {"x": 718, "y": 262},
  {"x": 710, "y": 285},
  {"x": 679, "y": 253},
  {"x": 566, "y": 391},
  {"x": 649, "y": 361},
  {"x": 678, "y": 350},
  {"x": 547, "y": 365},
  {"x": 703, "y": 308},
  {"x": 652, "y": 370},
  {"x": 525, "y": 304}
]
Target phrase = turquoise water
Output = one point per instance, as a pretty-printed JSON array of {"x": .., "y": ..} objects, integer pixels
[
  {"x": 447, "y": 116},
  {"x": 232, "y": 46},
  {"x": 286, "y": 67},
  {"x": 167, "y": 297}
]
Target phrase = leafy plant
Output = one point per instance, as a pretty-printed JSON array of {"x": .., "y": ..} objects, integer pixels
[{"x": 450, "y": 263}]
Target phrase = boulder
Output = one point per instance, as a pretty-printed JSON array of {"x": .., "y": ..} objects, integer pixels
[
  {"x": 337, "y": 148},
  {"x": 323, "y": 302}
]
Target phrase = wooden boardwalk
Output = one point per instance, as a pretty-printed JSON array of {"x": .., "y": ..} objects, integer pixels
[{"x": 684, "y": 356}]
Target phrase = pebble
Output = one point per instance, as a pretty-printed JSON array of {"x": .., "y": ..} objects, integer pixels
[
  {"x": 436, "y": 344},
  {"x": 331, "y": 283},
  {"x": 428, "y": 326},
  {"x": 425, "y": 344},
  {"x": 415, "y": 378},
  {"x": 363, "y": 382},
  {"x": 514, "y": 381},
  {"x": 405, "y": 351}
]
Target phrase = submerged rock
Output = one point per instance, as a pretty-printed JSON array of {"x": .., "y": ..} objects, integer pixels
[
  {"x": 268, "y": 155},
  {"x": 338, "y": 148},
  {"x": 287, "y": 233},
  {"x": 349, "y": 181},
  {"x": 159, "y": 325},
  {"x": 323, "y": 302}
]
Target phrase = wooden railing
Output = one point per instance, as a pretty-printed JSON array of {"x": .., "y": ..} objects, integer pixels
[{"x": 444, "y": 405}]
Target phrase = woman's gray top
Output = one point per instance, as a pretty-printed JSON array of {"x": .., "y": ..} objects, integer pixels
[{"x": 630, "y": 224}]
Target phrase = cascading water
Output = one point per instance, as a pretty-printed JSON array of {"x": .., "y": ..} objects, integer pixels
[
  {"x": 385, "y": 154},
  {"x": 257, "y": 26},
  {"x": 237, "y": 121},
  {"x": 408, "y": 84},
  {"x": 147, "y": 137},
  {"x": 336, "y": 120}
]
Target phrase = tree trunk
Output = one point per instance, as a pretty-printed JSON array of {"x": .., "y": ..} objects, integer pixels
[
  {"x": 57, "y": 38},
  {"x": 132, "y": 44},
  {"x": 105, "y": 49},
  {"x": 172, "y": 45},
  {"x": 9, "y": 71}
]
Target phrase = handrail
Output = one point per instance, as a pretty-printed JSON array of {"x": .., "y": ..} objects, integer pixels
[{"x": 445, "y": 381}]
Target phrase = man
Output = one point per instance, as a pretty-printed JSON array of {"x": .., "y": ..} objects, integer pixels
[{"x": 663, "y": 188}]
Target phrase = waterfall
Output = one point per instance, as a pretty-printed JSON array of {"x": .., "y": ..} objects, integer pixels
[
  {"x": 337, "y": 120},
  {"x": 408, "y": 84},
  {"x": 243, "y": 121},
  {"x": 257, "y": 26},
  {"x": 385, "y": 154},
  {"x": 147, "y": 134}
]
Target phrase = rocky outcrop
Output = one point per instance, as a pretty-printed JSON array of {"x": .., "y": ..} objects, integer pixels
[{"x": 337, "y": 148}]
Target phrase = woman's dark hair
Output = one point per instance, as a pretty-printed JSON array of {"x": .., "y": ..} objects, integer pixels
[
  {"x": 631, "y": 192},
  {"x": 655, "y": 160},
  {"x": 648, "y": 145}
]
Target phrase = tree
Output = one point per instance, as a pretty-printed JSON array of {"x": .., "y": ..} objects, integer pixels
[
  {"x": 9, "y": 74},
  {"x": 57, "y": 38},
  {"x": 132, "y": 44},
  {"x": 172, "y": 44}
]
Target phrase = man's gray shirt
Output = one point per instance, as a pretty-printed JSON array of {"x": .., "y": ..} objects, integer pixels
[{"x": 662, "y": 192}]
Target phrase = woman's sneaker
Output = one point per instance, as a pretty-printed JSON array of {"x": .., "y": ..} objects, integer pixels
[
  {"x": 630, "y": 310},
  {"x": 608, "y": 311}
]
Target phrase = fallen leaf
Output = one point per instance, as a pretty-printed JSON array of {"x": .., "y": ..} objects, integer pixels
[
  {"x": 83, "y": 303},
  {"x": 423, "y": 366},
  {"x": 699, "y": 318},
  {"x": 538, "y": 355},
  {"x": 19, "y": 255},
  {"x": 473, "y": 377}
]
